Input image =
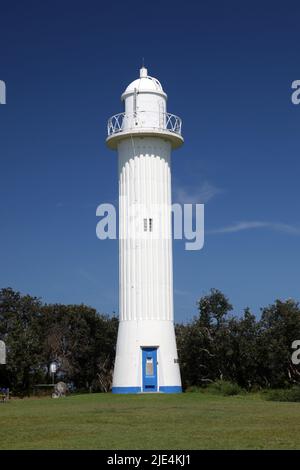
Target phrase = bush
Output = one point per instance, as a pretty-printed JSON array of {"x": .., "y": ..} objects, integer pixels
[
  {"x": 289, "y": 394},
  {"x": 225, "y": 388},
  {"x": 194, "y": 389}
]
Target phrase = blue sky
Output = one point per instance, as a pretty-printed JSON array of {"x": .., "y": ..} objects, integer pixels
[{"x": 227, "y": 68}]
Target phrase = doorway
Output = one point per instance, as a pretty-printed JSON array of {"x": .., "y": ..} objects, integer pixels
[{"x": 149, "y": 368}]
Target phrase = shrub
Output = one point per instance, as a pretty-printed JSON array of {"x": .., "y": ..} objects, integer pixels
[
  {"x": 288, "y": 394},
  {"x": 225, "y": 388},
  {"x": 194, "y": 389}
]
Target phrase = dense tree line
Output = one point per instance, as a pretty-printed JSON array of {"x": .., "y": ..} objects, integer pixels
[
  {"x": 76, "y": 337},
  {"x": 254, "y": 353}
]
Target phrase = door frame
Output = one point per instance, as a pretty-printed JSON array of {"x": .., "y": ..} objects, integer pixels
[{"x": 153, "y": 350}]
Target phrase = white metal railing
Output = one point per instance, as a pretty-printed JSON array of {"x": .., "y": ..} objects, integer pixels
[{"x": 169, "y": 122}]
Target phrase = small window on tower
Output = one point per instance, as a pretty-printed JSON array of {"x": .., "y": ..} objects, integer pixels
[
  {"x": 145, "y": 225},
  {"x": 150, "y": 225}
]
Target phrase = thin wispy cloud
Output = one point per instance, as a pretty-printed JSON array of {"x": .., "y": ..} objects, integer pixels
[
  {"x": 249, "y": 225},
  {"x": 88, "y": 277},
  {"x": 201, "y": 195}
]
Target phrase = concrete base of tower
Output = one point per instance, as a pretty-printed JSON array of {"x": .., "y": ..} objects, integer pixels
[{"x": 146, "y": 358}]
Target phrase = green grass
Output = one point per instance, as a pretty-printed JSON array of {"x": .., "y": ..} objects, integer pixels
[{"x": 185, "y": 421}]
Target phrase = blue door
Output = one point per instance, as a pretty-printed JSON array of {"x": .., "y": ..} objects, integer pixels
[{"x": 149, "y": 362}]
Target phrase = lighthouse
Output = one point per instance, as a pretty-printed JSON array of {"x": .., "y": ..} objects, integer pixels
[{"x": 144, "y": 137}]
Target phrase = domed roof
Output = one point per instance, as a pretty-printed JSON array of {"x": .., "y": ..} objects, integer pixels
[{"x": 144, "y": 83}]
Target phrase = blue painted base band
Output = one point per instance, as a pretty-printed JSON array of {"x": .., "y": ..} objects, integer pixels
[
  {"x": 126, "y": 389},
  {"x": 163, "y": 389},
  {"x": 171, "y": 389}
]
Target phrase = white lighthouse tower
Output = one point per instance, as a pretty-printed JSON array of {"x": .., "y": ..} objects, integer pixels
[{"x": 144, "y": 135}]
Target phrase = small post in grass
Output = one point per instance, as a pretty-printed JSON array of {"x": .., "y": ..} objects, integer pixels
[
  {"x": 2, "y": 353},
  {"x": 53, "y": 369}
]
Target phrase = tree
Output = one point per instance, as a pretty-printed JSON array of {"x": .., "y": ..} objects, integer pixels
[
  {"x": 82, "y": 342},
  {"x": 280, "y": 324},
  {"x": 213, "y": 308},
  {"x": 20, "y": 329},
  {"x": 203, "y": 350},
  {"x": 245, "y": 362}
]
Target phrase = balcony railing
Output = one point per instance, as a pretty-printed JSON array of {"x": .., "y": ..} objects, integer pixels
[{"x": 126, "y": 122}]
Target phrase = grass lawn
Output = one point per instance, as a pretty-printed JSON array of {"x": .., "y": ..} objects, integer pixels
[{"x": 185, "y": 421}]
